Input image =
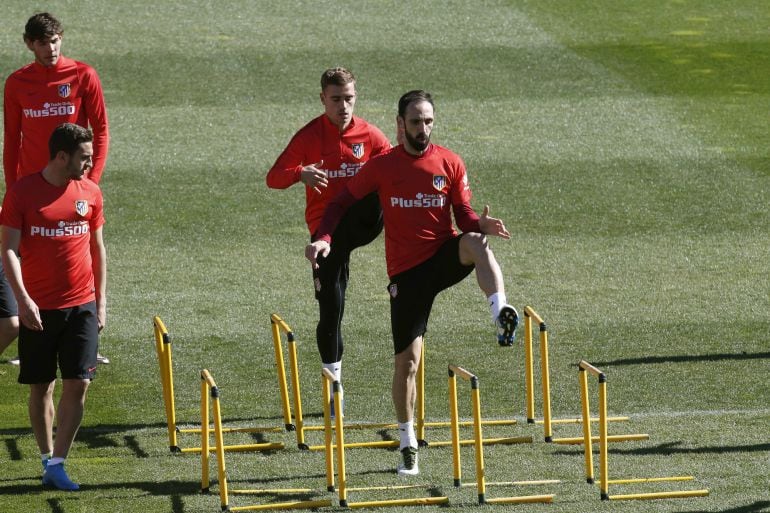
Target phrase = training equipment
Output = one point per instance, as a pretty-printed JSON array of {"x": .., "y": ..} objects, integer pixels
[
  {"x": 163, "y": 350},
  {"x": 586, "y": 368},
  {"x": 328, "y": 382},
  {"x": 57, "y": 477},
  {"x": 209, "y": 389},
  {"x": 547, "y": 421},
  {"x": 478, "y": 441}
]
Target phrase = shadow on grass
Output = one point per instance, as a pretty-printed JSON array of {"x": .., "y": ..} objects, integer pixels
[
  {"x": 755, "y": 507},
  {"x": 161, "y": 488},
  {"x": 671, "y": 448},
  {"x": 714, "y": 357}
]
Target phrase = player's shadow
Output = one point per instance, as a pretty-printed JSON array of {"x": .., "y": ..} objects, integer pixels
[{"x": 755, "y": 507}]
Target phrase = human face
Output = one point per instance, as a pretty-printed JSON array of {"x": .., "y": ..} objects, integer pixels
[
  {"x": 80, "y": 161},
  {"x": 417, "y": 125},
  {"x": 46, "y": 50},
  {"x": 338, "y": 103}
]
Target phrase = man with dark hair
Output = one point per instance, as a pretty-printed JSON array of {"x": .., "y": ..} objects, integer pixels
[
  {"x": 324, "y": 155},
  {"x": 417, "y": 183},
  {"x": 56, "y": 213},
  {"x": 38, "y": 97}
]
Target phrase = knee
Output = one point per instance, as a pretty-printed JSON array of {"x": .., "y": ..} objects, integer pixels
[
  {"x": 9, "y": 330},
  {"x": 473, "y": 247}
]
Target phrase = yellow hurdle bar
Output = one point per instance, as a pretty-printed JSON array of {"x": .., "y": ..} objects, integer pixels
[
  {"x": 163, "y": 350},
  {"x": 339, "y": 445},
  {"x": 277, "y": 324},
  {"x": 584, "y": 369},
  {"x": 209, "y": 387},
  {"x": 453, "y": 372}
]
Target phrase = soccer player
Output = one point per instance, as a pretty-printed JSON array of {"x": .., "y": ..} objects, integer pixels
[
  {"x": 39, "y": 97},
  {"x": 53, "y": 251},
  {"x": 324, "y": 155},
  {"x": 417, "y": 183}
]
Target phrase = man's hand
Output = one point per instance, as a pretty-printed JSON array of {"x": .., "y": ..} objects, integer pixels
[
  {"x": 316, "y": 249},
  {"x": 492, "y": 226},
  {"x": 101, "y": 316},
  {"x": 314, "y": 177},
  {"x": 29, "y": 314}
]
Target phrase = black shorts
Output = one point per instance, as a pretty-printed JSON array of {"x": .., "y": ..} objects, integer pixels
[
  {"x": 70, "y": 338},
  {"x": 412, "y": 292},
  {"x": 8, "y": 306}
]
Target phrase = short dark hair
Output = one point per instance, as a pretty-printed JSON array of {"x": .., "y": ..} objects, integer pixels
[
  {"x": 67, "y": 137},
  {"x": 417, "y": 95},
  {"x": 336, "y": 76},
  {"x": 41, "y": 26}
]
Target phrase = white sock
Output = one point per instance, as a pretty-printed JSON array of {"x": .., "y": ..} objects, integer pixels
[
  {"x": 55, "y": 461},
  {"x": 336, "y": 369},
  {"x": 496, "y": 303},
  {"x": 406, "y": 431},
  {"x": 46, "y": 456}
]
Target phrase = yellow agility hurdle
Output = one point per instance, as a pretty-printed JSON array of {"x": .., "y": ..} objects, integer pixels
[
  {"x": 420, "y": 424},
  {"x": 209, "y": 389},
  {"x": 335, "y": 446},
  {"x": 481, "y": 484},
  {"x": 547, "y": 421},
  {"x": 586, "y": 368},
  {"x": 164, "y": 352}
]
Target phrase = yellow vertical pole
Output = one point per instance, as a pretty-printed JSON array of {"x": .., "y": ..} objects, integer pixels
[
  {"x": 546, "y": 382},
  {"x": 220, "y": 449},
  {"x": 328, "y": 441},
  {"x": 478, "y": 440},
  {"x": 603, "y": 452},
  {"x": 300, "y": 425},
  {"x": 586, "y": 412},
  {"x": 163, "y": 348},
  {"x": 280, "y": 367},
  {"x": 205, "y": 480},
  {"x": 420, "y": 406},
  {"x": 529, "y": 367},
  {"x": 455, "y": 423},
  {"x": 343, "y": 492}
]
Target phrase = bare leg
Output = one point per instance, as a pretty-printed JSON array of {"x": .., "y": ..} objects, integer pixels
[
  {"x": 404, "y": 380},
  {"x": 69, "y": 414},
  {"x": 41, "y": 412},
  {"x": 474, "y": 249},
  {"x": 9, "y": 330}
]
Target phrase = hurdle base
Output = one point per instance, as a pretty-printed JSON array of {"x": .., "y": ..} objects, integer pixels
[
  {"x": 290, "y": 427},
  {"x": 422, "y": 501},
  {"x": 524, "y": 499},
  {"x": 681, "y": 494}
]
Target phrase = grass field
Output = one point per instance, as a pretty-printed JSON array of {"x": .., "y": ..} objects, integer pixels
[{"x": 625, "y": 144}]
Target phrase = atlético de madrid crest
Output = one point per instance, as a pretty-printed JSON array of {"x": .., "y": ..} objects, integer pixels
[
  {"x": 81, "y": 207},
  {"x": 64, "y": 90},
  {"x": 358, "y": 150},
  {"x": 439, "y": 182}
]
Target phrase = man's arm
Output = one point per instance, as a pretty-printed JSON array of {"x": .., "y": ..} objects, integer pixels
[
  {"x": 11, "y": 136},
  {"x": 99, "y": 266},
  {"x": 321, "y": 244},
  {"x": 96, "y": 111},
  {"x": 29, "y": 314}
]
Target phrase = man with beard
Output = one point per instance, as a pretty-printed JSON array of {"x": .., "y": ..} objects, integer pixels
[
  {"x": 56, "y": 264},
  {"x": 417, "y": 182}
]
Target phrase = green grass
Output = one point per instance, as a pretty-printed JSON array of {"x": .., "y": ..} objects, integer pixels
[{"x": 624, "y": 144}]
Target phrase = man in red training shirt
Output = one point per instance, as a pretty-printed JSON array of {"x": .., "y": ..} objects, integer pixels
[
  {"x": 39, "y": 97},
  {"x": 420, "y": 185},
  {"x": 324, "y": 155},
  {"x": 53, "y": 252}
]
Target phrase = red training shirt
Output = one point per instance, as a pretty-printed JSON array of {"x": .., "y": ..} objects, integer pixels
[
  {"x": 56, "y": 225},
  {"x": 343, "y": 154},
  {"x": 37, "y": 99},
  {"x": 416, "y": 193}
]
